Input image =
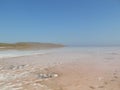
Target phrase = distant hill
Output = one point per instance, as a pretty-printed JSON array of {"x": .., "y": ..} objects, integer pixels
[{"x": 28, "y": 46}]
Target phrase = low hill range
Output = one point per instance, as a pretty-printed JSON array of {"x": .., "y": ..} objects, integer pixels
[{"x": 28, "y": 46}]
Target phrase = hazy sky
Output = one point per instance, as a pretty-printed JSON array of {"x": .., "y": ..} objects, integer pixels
[{"x": 60, "y": 21}]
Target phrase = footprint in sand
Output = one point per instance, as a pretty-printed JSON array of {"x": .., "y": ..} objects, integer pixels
[
  {"x": 112, "y": 80},
  {"x": 105, "y": 83},
  {"x": 101, "y": 86},
  {"x": 92, "y": 87},
  {"x": 115, "y": 75}
]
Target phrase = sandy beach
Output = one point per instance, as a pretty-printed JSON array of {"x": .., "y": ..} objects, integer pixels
[{"x": 63, "y": 69}]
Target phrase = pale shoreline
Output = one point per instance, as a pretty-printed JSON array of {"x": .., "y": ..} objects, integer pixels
[{"x": 94, "y": 69}]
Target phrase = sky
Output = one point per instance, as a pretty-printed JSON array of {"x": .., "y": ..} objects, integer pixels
[{"x": 75, "y": 22}]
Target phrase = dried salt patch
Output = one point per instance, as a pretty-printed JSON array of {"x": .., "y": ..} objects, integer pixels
[
  {"x": 27, "y": 65},
  {"x": 100, "y": 78},
  {"x": 1, "y": 67},
  {"x": 41, "y": 85},
  {"x": 2, "y": 70},
  {"x": 19, "y": 88},
  {"x": 24, "y": 74},
  {"x": 18, "y": 84},
  {"x": 46, "y": 76},
  {"x": 9, "y": 76},
  {"x": 35, "y": 84},
  {"x": 44, "y": 86},
  {"x": 4, "y": 77},
  {"x": 16, "y": 67},
  {"x": 11, "y": 67},
  {"x": 55, "y": 75},
  {"x": 12, "y": 85},
  {"x": 2, "y": 83},
  {"x": 5, "y": 88},
  {"x": 21, "y": 66},
  {"x": 9, "y": 86}
]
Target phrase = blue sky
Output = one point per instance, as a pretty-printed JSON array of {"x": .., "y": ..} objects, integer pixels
[{"x": 60, "y": 21}]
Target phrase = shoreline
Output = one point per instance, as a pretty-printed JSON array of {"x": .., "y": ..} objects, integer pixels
[{"x": 23, "y": 53}]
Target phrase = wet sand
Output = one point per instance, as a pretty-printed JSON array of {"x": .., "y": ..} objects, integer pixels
[{"x": 64, "y": 70}]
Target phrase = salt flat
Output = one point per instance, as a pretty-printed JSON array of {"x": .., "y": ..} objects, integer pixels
[{"x": 94, "y": 68}]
